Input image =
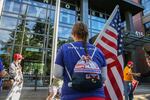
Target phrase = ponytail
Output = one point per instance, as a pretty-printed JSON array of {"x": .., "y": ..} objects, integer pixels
[{"x": 81, "y": 31}]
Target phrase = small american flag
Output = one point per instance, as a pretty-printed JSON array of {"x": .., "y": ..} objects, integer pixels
[{"x": 110, "y": 41}]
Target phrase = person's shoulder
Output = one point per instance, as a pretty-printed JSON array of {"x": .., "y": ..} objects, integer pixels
[
  {"x": 65, "y": 45},
  {"x": 91, "y": 45},
  {"x": 12, "y": 64}
]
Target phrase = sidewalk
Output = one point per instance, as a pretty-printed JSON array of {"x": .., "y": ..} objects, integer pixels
[{"x": 142, "y": 93}]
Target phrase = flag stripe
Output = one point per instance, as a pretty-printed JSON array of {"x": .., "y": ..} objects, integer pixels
[
  {"x": 118, "y": 78},
  {"x": 110, "y": 89},
  {"x": 121, "y": 60},
  {"x": 118, "y": 66},
  {"x": 112, "y": 44},
  {"x": 111, "y": 33},
  {"x": 110, "y": 38},
  {"x": 111, "y": 29},
  {"x": 106, "y": 93},
  {"x": 115, "y": 85},
  {"x": 107, "y": 48},
  {"x": 110, "y": 60}
]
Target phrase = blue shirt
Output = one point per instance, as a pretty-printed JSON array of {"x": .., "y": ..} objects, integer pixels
[
  {"x": 67, "y": 57},
  {"x": 1, "y": 69}
]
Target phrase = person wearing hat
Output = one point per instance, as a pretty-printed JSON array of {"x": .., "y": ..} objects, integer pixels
[
  {"x": 16, "y": 77},
  {"x": 128, "y": 78}
]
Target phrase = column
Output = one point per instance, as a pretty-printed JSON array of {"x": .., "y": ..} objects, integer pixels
[
  {"x": 1, "y": 6},
  {"x": 84, "y": 11},
  {"x": 129, "y": 22}
]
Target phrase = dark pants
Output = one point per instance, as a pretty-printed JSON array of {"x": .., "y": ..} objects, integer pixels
[{"x": 128, "y": 90}]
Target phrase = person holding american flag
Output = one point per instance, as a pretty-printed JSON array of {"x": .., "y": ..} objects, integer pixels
[{"x": 128, "y": 81}]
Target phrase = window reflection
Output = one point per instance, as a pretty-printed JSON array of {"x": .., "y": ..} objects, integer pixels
[
  {"x": 97, "y": 25},
  {"x": 64, "y": 32},
  {"x": 11, "y": 6},
  {"x": 67, "y": 18},
  {"x": 68, "y": 11},
  {"x": 37, "y": 26},
  {"x": 36, "y": 3},
  {"x": 98, "y": 19},
  {"x": 147, "y": 29},
  {"x": 146, "y": 4},
  {"x": 6, "y": 37},
  {"x": 8, "y": 22},
  {"x": 34, "y": 40},
  {"x": 36, "y": 12},
  {"x": 30, "y": 25},
  {"x": 95, "y": 32},
  {"x": 52, "y": 15}
]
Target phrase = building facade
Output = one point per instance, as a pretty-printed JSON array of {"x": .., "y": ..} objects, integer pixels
[
  {"x": 141, "y": 23},
  {"x": 26, "y": 26}
]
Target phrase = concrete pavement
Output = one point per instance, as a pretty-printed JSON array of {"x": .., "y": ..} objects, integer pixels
[{"x": 142, "y": 93}]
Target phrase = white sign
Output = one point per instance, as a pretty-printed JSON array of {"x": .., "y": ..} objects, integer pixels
[
  {"x": 1, "y": 6},
  {"x": 139, "y": 34}
]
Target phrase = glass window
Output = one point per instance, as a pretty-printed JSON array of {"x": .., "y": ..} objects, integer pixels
[
  {"x": 98, "y": 19},
  {"x": 146, "y": 4},
  {"x": 64, "y": 32},
  {"x": 97, "y": 25},
  {"x": 34, "y": 40},
  {"x": 33, "y": 64},
  {"x": 8, "y": 22},
  {"x": 24, "y": 8},
  {"x": 36, "y": 3},
  {"x": 36, "y": 26},
  {"x": 11, "y": 6},
  {"x": 52, "y": 15},
  {"x": 67, "y": 18},
  {"x": 31, "y": 26},
  {"x": 36, "y": 12},
  {"x": 68, "y": 11},
  {"x": 147, "y": 29},
  {"x": 5, "y": 55},
  {"x": 94, "y": 32},
  {"x": 6, "y": 37}
]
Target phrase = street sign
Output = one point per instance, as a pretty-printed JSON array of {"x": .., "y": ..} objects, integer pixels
[{"x": 32, "y": 49}]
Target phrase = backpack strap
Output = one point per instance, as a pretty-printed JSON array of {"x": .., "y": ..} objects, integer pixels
[
  {"x": 75, "y": 50},
  {"x": 68, "y": 74},
  {"x": 93, "y": 53},
  {"x": 78, "y": 52}
]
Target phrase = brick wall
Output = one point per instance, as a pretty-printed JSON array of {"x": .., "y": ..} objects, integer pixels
[{"x": 137, "y": 20}]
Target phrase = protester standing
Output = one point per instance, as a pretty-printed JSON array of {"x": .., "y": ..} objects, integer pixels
[
  {"x": 67, "y": 57},
  {"x": 16, "y": 77},
  {"x": 128, "y": 78}
]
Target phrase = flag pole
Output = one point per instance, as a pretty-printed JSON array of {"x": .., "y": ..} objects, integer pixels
[
  {"x": 108, "y": 22},
  {"x": 55, "y": 38}
]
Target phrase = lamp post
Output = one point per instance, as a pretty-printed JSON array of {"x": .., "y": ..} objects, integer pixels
[{"x": 55, "y": 38}]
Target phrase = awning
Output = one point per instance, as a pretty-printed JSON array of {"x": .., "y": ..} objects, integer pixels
[{"x": 131, "y": 41}]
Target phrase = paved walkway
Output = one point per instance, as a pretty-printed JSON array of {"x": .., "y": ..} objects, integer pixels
[{"x": 142, "y": 93}]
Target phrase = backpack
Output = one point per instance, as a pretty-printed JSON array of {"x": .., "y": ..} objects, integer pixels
[{"x": 86, "y": 74}]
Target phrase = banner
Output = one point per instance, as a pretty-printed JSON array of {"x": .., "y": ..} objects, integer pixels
[{"x": 134, "y": 85}]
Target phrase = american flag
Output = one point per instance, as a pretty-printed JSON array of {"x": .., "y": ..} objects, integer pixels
[{"x": 110, "y": 41}]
